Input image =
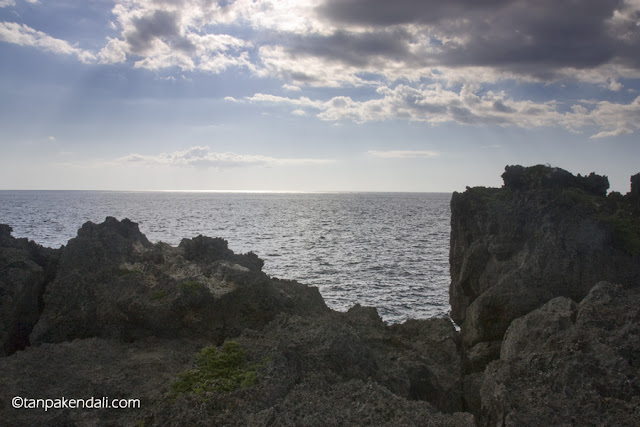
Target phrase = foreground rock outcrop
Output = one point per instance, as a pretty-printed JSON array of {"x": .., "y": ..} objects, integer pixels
[
  {"x": 545, "y": 286},
  {"x": 123, "y": 318},
  {"x": 25, "y": 270},
  {"x": 569, "y": 364}
]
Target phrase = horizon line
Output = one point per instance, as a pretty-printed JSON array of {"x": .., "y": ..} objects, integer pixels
[{"x": 237, "y": 191}]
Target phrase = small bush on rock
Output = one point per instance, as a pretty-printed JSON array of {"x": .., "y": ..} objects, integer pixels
[{"x": 217, "y": 370}]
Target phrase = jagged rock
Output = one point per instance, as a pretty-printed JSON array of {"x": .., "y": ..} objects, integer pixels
[
  {"x": 207, "y": 250},
  {"x": 93, "y": 367},
  {"x": 25, "y": 269},
  {"x": 471, "y": 385},
  {"x": 528, "y": 333},
  {"x": 635, "y": 186},
  {"x": 342, "y": 369},
  {"x": 478, "y": 356},
  {"x": 569, "y": 364},
  {"x": 417, "y": 360},
  {"x": 113, "y": 283},
  {"x": 544, "y": 177},
  {"x": 545, "y": 234},
  {"x": 123, "y": 317}
]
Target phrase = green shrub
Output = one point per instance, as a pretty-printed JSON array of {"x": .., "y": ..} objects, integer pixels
[
  {"x": 217, "y": 370},
  {"x": 158, "y": 294}
]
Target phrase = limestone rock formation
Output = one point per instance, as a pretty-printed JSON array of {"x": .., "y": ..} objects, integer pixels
[
  {"x": 545, "y": 234},
  {"x": 113, "y": 283},
  {"x": 25, "y": 269},
  {"x": 569, "y": 364}
]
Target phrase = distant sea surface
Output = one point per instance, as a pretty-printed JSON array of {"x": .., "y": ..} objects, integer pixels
[{"x": 387, "y": 250}]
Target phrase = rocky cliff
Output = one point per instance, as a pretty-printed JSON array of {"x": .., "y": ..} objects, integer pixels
[
  {"x": 544, "y": 286},
  {"x": 544, "y": 234}
]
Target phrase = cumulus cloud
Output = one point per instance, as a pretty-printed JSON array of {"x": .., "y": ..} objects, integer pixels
[
  {"x": 403, "y": 154},
  {"x": 426, "y": 59},
  {"x": 335, "y": 43},
  {"x": 436, "y": 104},
  {"x": 531, "y": 38},
  {"x": 166, "y": 34},
  {"x": 24, "y": 35},
  {"x": 203, "y": 157}
]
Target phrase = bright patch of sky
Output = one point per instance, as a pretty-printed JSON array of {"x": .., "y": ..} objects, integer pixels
[{"x": 314, "y": 95}]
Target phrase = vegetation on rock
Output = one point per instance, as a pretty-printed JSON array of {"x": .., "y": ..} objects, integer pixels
[{"x": 217, "y": 370}]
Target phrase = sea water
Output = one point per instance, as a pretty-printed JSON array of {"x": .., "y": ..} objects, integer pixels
[{"x": 387, "y": 250}]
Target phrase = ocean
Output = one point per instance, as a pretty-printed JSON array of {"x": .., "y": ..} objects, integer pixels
[{"x": 387, "y": 250}]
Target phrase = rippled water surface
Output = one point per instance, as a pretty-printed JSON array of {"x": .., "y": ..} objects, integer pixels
[{"x": 388, "y": 250}]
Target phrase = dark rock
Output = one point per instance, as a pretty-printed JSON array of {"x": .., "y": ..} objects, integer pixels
[
  {"x": 479, "y": 356},
  {"x": 113, "y": 283},
  {"x": 544, "y": 234},
  {"x": 342, "y": 369},
  {"x": 546, "y": 177},
  {"x": 25, "y": 270},
  {"x": 471, "y": 386},
  {"x": 526, "y": 334},
  {"x": 569, "y": 364},
  {"x": 123, "y": 317},
  {"x": 207, "y": 250},
  {"x": 417, "y": 360},
  {"x": 635, "y": 186},
  {"x": 97, "y": 368}
]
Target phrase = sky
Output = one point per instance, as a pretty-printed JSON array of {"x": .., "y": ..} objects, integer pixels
[{"x": 315, "y": 95}]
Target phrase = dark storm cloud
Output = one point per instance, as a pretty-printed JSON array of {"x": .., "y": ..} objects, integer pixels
[
  {"x": 385, "y": 12},
  {"x": 527, "y": 37},
  {"x": 354, "y": 49},
  {"x": 161, "y": 24}
]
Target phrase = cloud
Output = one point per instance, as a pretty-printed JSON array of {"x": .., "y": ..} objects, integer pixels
[
  {"x": 535, "y": 39},
  {"x": 291, "y": 88},
  {"x": 177, "y": 33},
  {"x": 436, "y": 104},
  {"x": 338, "y": 43},
  {"x": 413, "y": 60},
  {"x": 7, "y": 3},
  {"x": 24, "y": 35},
  {"x": 403, "y": 154},
  {"x": 203, "y": 157},
  {"x": 115, "y": 51}
]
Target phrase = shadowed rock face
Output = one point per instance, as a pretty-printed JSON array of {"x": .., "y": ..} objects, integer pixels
[
  {"x": 113, "y": 283},
  {"x": 545, "y": 234},
  {"x": 569, "y": 364},
  {"x": 25, "y": 269}
]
